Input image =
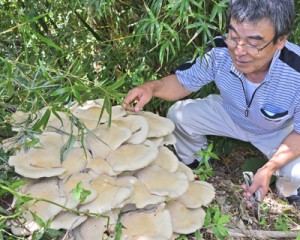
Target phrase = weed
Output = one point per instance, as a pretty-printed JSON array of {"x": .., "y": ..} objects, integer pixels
[{"x": 205, "y": 169}]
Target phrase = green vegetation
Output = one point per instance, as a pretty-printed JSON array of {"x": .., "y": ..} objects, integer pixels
[{"x": 55, "y": 52}]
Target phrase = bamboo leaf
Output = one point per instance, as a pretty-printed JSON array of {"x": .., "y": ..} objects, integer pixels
[
  {"x": 46, "y": 40},
  {"x": 61, "y": 91},
  {"x": 42, "y": 121}
]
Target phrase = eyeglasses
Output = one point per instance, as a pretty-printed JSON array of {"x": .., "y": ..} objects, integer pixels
[{"x": 247, "y": 47}]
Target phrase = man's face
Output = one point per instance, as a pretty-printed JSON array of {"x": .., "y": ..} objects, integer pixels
[{"x": 254, "y": 35}]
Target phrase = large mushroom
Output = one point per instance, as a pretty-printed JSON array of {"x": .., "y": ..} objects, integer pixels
[
  {"x": 123, "y": 170},
  {"x": 151, "y": 225},
  {"x": 46, "y": 191}
]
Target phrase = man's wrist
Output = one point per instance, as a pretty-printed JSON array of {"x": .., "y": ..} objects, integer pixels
[{"x": 271, "y": 167}]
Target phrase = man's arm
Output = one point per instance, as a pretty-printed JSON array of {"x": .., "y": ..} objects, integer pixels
[
  {"x": 167, "y": 88},
  {"x": 288, "y": 150}
]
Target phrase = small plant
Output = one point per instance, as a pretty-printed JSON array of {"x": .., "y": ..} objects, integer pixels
[
  {"x": 205, "y": 169},
  {"x": 79, "y": 193},
  {"x": 215, "y": 221},
  {"x": 282, "y": 222}
]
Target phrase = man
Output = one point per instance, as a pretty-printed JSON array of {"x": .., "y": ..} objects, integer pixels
[{"x": 257, "y": 72}]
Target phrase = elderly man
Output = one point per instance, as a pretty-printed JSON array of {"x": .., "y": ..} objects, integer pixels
[{"x": 257, "y": 72}]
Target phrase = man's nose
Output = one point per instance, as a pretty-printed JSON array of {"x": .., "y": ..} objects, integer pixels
[{"x": 240, "y": 49}]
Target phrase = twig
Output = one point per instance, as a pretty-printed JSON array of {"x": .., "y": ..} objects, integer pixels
[{"x": 260, "y": 234}]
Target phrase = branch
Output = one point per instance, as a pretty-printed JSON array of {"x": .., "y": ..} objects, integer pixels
[{"x": 260, "y": 234}]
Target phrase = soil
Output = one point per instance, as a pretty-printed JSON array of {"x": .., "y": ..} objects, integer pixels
[{"x": 275, "y": 212}]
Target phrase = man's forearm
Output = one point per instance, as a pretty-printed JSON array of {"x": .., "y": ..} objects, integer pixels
[
  {"x": 169, "y": 88},
  {"x": 288, "y": 150}
]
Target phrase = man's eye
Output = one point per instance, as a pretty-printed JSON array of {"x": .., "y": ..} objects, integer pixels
[
  {"x": 235, "y": 39},
  {"x": 252, "y": 45}
]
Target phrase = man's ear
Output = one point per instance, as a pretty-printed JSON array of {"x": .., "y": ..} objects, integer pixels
[{"x": 281, "y": 42}]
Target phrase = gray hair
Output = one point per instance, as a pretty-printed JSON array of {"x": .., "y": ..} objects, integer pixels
[{"x": 281, "y": 13}]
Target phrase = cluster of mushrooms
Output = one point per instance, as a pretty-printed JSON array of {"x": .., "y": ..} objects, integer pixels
[{"x": 132, "y": 176}]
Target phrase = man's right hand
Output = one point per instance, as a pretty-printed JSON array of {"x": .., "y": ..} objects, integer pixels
[{"x": 138, "y": 97}]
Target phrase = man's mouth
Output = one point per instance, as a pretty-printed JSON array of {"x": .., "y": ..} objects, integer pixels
[{"x": 241, "y": 62}]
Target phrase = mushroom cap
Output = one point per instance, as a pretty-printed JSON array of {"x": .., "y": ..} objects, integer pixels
[
  {"x": 106, "y": 139},
  {"x": 67, "y": 220},
  {"x": 169, "y": 140},
  {"x": 131, "y": 157},
  {"x": 157, "y": 141},
  {"x": 92, "y": 228},
  {"x": 184, "y": 220},
  {"x": 97, "y": 166},
  {"x": 19, "y": 117},
  {"x": 163, "y": 183},
  {"x": 70, "y": 183},
  {"x": 46, "y": 189},
  {"x": 198, "y": 194},
  {"x": 138, "y": 126},
  {"x": 43, "y": 160},
  {"x": 110, "y": 195},
  {"x": 158, "y": 126},
  {"x": 26, "y": 170},
  {"x": 91, "y": 110},
  {"x": 141, "y": 196},
  {"x": 154, "y": 225},
  {"x": 75, "y": 161},
  {"x": 166, "y": 159},
  {"x": 187, "y": 171}
]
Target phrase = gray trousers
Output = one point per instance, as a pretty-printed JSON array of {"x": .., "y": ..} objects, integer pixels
[{"x": 194, "y": 119}]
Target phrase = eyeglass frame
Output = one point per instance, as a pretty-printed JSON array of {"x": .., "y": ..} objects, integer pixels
[{"x": 259, "y": 49}]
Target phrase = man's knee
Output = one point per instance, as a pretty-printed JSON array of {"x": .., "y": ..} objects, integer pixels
[
  {"x": 291, "y": 171},
  {"x": 180, "y": 112}
]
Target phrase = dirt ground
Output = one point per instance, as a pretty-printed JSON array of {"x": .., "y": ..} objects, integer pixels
[{"x": 275, "y": 213}]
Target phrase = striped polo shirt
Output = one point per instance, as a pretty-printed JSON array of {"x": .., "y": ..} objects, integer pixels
[{"x": 275, "y": 104}]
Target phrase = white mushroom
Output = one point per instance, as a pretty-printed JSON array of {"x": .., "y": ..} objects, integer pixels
[
  {"x": 141, "y": 196},
  {"x": 106, "y": 139},
  {"x": 166, "y": 159},
  {"x": 154, "y": 225},
  {"x": 131, "y": 157},
  {"x": 25, "y": 170},
  {"x": 91, "y": 229},
  {"x": 47, "y": 189},
  {"x": 174, "y": 184},
  {"x": 126, "y": 167},
  {"x": 75, "y": 161},
  {"x": 157, "y": 141},
  {"x": 138, "y": 125},
  {"x": 184, "y": 220},
  {"x": 97, "y": 166},
  {"x": 169, "y": 140},
  {"x": 199, "y": 194},
  {"x": 109, "y": 196},
  {"x": 90, "y": 112},
  {"x": 158, "y": 126},
  {"x": 67, "y": 220},
  {"x": 187, "y": 171}
]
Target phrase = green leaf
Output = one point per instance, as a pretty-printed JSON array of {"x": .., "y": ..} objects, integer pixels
[
  {"x": 44, "y": 71},
  {"x": 80, "y": 194},
  {"x": 61, "y": 91},
  {"x": 66, "y": 148},
  {"x": 223, "y": 231},
  {"x": 216, "y": 216},
  {"x": 43, "y": 121},
  {"x": 76, "y": 95},
  {"x": 46, "y": 40},
  {"x": 117, "y": 84},
  {"x": 38, "y": 220},
  {"x": 77, "y": 191},
  {"x": 224, "y": 219}
]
